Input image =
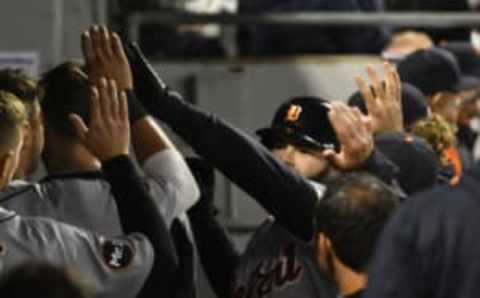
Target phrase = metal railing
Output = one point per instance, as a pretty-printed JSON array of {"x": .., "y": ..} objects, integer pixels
[{"x": 415, "y": 19}]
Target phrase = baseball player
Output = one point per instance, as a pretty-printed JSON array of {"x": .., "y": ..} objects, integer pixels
[
  {"x": 75, "y": 191},
  {"x": 280, "y": 261},
  {"x": 114, "y": 267},
  {"x": 348, "y": 222}
]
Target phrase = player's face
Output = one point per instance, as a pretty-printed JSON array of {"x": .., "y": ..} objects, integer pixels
[
  {"x": 307, "y": 163},
  {"x": 449, "y": 107},
  {"x": 325, "y": 258}
]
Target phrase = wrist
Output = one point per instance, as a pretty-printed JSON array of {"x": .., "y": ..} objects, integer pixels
[
  {"x": 136, "y": 110},
  {"x": 107, "y": 157}
]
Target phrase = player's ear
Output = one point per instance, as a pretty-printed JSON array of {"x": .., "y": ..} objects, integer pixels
[
  {"x": 323, "y": 243},
  {"x": 323, "y": 249},
  {"x": 7, "y": 168},
  {"x": 27, "y": 136}
]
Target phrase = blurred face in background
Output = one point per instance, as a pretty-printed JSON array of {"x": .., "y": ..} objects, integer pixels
[
  {"x": 469, "y": 108},
  {"x": 447, "y": 105}
]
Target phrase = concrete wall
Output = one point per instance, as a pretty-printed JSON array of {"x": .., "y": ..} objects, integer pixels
[{"x": 51, "y": 28}]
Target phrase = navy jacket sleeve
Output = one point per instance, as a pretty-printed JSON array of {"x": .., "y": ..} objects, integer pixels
[{"x": 138, "y": 213}]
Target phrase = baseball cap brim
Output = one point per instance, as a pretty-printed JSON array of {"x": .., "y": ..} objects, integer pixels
[{"x": 299, "y": 139}]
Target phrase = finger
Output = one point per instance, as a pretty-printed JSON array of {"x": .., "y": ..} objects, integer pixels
[
  {"x": 398, "y": 82},
  {"x": 346, "y": 113},
  {"x": 106, "y": 42},
  {"x": 123, "y": 113},
  {"x": 95, "y": 112},
  {"x": 97, "y": 43},
  {"x": 359, "y": 122},
  {"x": 338, "y": 122},
  {"x": 87, "y": 47},
  {"x": 117, "y": 46},
  {"x": 390, "y": 82},
  {"x": 114, "y": 101},
  {"x": 366, "y": 93},
  {"x": 329, "y": 153},
  {"x": 79, "y": 125},
  {"x": 376, "y": 82},
  {"x": 333, "y": 157},
  {"x": 104, "y": 99}
]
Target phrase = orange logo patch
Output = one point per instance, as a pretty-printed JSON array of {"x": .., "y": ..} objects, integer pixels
[{"x": 293, "y": 113}]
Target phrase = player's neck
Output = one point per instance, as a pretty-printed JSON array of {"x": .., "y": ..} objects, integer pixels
[
  {"x": 69, "y": 157},
  {"x": 348, "y": 281}
]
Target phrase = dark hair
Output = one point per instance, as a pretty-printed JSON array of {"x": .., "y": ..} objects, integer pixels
[
  {"x": 65, "y": 91},
  {"x": 22, "y": 86},
  {"x": 40, "y": 280},
  {"x": 352, "y": 214}
]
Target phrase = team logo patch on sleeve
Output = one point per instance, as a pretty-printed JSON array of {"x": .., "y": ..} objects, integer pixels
[{"x": 117, "y": 254}]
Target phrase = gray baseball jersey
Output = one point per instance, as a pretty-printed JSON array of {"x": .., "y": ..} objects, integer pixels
[
  {"x": 81, "y": 200},
  {"x": 277, "y": 264},
  {"x": 113, "y": 267}
]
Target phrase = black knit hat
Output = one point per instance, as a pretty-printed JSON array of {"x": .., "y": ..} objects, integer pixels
[
  {"x": 431, "y": 70},
  {"x": 417, "y": 162},
  {"x": 414, "y": 104},
  {"x": 303, "y": 121}
]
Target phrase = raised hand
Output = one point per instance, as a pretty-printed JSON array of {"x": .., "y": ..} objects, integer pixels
[
  {"x": 105, "y": 57},
  {"x": 383, "y": 99},
  {"x": 108, "y": 133},
  {"x": 354, "y": 133}
]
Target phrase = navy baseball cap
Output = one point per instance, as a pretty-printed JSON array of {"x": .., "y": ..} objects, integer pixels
[
  {"x": 414, "y": 104},
  {"x": 417, "y": 162},
  {"x": 302, "y": 121},
  {"x": 431, "y": 70}
]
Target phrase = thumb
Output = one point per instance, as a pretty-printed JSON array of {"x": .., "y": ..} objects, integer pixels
[
  {"x": 80, "y": 126},
  {"x": 330, "y": 154},
  {"x": 333, "y": 157}
]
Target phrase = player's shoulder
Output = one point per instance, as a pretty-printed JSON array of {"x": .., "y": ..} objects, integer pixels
[
  {"x": 434, "y": 207},
  {"x": 81, "y": 184},
  {"x": 20, "y": 188},
  {"x": 75, "y": 180}
]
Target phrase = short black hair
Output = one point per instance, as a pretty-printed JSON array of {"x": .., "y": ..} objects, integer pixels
[
  {"x": 22, "y": 86},
  {"x": 65, "y": 91},
  {"x": 352, "y": 214},
  {"x": 40, "y": 280}
]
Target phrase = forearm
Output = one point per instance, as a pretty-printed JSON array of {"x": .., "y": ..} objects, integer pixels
[
  {"x": 138, "y": 214},
  {"x": 172, "y": 185},
  {"x": 148, "y": 138}
]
